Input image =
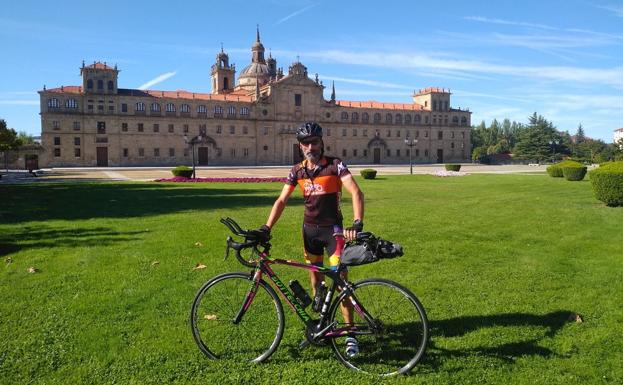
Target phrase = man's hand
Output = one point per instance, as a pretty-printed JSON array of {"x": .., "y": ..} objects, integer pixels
[
  {"x": 263, "y": 233},
  {"x": 351, "y": 232}
]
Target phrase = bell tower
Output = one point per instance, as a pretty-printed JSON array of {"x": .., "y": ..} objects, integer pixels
[
  {"x": 222, "y": 74},
  {"x": 99, "y": 78}
]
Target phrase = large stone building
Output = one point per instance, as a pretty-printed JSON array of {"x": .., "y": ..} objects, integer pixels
[{"x": 248, "y": 123}]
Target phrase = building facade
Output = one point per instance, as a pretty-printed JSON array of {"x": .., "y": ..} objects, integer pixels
[
  {"x": 618, "y": 135},
  {"x": 248, "y": 122}
]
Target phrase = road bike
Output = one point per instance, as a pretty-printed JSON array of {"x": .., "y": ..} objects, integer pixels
[{"x": 239, "y": 316}]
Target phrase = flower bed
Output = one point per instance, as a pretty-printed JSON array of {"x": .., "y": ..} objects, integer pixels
[
  {"x": 222, "y": 180},
  {"x": 449, "y": 173}
]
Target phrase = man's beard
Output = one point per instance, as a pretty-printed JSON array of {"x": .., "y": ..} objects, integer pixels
[{"x": 313, "y": 155}]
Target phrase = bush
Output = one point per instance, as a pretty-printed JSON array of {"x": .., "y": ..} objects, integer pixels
[
  {"x": 182, "y": 171},
  {"x": 555, "y": 170},
  {"x": 453, "y": 167},
  {"x": 368, "y": 173},
  {"x": 574, "y": 172},
  {"x": 607, "y": 181}
]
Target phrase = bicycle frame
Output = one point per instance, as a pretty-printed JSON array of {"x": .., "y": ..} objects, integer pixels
[{"x": 318, "y": 327}]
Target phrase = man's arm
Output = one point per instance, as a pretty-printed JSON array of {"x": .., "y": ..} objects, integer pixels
[
  {"x": 357, "y": 195},
  {"x": 279, "y": 205}
]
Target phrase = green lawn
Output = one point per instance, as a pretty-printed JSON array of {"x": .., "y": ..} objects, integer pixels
[{"x": 501, "y": 263}]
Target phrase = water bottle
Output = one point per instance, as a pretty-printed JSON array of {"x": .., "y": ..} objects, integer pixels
[
  {"x": 321, "y": 293},
  {"x": 300, "y": 293}
]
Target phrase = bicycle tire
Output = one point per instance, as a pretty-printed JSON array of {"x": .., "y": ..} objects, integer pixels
[
  {"x": 400, "y": 341},
  {"x": 215, "y": 306}
]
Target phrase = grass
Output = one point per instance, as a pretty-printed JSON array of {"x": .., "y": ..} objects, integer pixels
[{"x": 501, "y": 263}]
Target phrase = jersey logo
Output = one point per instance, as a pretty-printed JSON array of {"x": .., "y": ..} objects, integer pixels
[
  {"x": 341, "y": 167},
  {"x": 312, "y": 188}
]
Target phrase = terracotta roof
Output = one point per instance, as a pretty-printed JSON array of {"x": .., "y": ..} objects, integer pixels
[
  {"x": 431, "y": 90},
  {"x": 64, "y": 90},
  {"x": 386, "y": 106},
  {"x": 235, "y": 96},
  {"x": 100, "y": 66}
]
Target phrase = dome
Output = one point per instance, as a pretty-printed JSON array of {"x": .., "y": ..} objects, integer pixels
[{"x": 259, "y": 71}]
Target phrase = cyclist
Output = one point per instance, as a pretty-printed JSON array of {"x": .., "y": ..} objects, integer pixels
[{"x": 321, "y": 177}]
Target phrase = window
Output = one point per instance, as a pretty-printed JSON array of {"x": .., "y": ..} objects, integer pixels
[
  {"x": 100, "y": 107},
  {"x": 355, "y": 152},
  {"x": 398, "y": 133},
  {"x": 171, "y": 128},
  {"x": 57, "y": 140},
  {"x": 365, "y": 152},
  {"x": 463, "y": 134},
  {"x": 76, "y": 141},
  {"x": 377, "y": 118},
  {"x": 426, "y": 153},
  {"x": 417, "y": 133},
  {"x": 101, "y": 127},
  {"x": 171, "y": 152},
  {"x": 71, "y": 103},
  {"x": 57, "y": 152},
  {"x": 343, "y": 132},
  {"x": 365, "y": 132},
  {"x": 232, "y": 152},
  {"x": 77, "y": 152},
  {"x": 156, "y": 127},
  {"x": 185, "y": 128},
  {"x": 389, "y": 152},
  {"x": 185, "y": 108},
  {"x": 426, "y": 119},
  {"x": 231, "y": 111},
  {"x": 218, "y": 111},
  {"x": 365, "y": 117},
  {"x": 344, "y": 152},
  {"x": 90, "y": 107},
  {"x": 170, "y": 107},
  {"x": 452, "y": 134},
  {"x": 298, "y": 100},
  {"x": 245, "y": 152},
  {"x": 265, "y": 130},
  {"x": 354, "y": 117},
  {"x": 417, "y": 119},
  {"x": 417, "y": 152},
  {"x": 328, "y": 132},
  {"x": 434, "y": 105},
  {"x": 100, "y": 84},
  {"x": 89, "y": 84},
  {"x": 344, "y": 116},
  {"x": 426, "y": 134},
  {"x": 111, "y": 108},
  {"x": 463, "y": 121},
  {"x": 156, "y": 152},
  {"x": 203, "y": 130},
  {"x": 53, "y": 103},
  {"x": 439, "y": 135},
  {"x": 219, "y": 129},
  {"x": 139, "y": 127},
  {"x": 452, "y": 145},
  {"x": 389, "y": 133},
  {"x": 398, "y": 152},
  {"x": 76, "y": 126},
  {"x": 232, "y": 130},
  {"x": 140, "y": 106},
  {"x": 124, "y": 107},
  {"x": 398, "y": 119},
  {"x": 186, "y": 152},
  {"x": 354, "y": 132},
  {"x": 244, "y": 111},
  {"x": 407, "y": 119},
  {"x": 201, "y": 109},
  {"x": 455, "y": 120},
  {"x": 141, "y": 152},
  {"x": 388, "y": 118},
  {"x": 445, "y": 106},
  {"x": 245, "y": 130},
  {"x": 155, "y": 107},
  {"x": 125, "y": 152}
]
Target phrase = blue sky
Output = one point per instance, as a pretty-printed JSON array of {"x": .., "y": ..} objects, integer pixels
[{"x": 503, "y": 59}]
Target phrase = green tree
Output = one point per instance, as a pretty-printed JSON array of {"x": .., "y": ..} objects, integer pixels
[
  {"x": 25, "y": 138},
  {"x": 579, "y": 135},
  {"x": 8, "y": 141},
  {"x": 539, "y": 141}
]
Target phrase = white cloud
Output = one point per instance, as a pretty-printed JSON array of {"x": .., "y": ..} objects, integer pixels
[
  {"x": 616, "y": 10},
  {"x": 295, "y": 14},
  {"x": 507, "y": 22},
  {"x": 156, "y": 80},
  {"x": 367, "y": 82}
]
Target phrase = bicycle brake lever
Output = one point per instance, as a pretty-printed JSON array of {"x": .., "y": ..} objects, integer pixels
[{"x": 227, "y": 248}]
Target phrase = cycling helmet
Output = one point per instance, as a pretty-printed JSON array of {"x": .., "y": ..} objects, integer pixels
[{"x": 308, "y": 130}]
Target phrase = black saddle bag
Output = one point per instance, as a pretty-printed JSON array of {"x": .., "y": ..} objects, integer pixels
[{"x": 368, "y": 248}]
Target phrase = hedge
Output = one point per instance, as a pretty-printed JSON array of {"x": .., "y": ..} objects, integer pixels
[
  {"x": 453, "y": 167},
  {"x": 573, "y": 172},
  {"x": 182, "y": 171},
  {"x": 555, "y": 170},
  {"x": 368, "y": 173},
  {"x": 607, "y": 181}
]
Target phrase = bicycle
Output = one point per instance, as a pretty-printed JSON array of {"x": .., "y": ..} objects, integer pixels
[{"x": 240, "y": 316}]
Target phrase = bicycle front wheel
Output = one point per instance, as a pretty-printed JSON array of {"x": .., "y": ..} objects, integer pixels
[
  {"x": 392, "y": 339},
  {"x": 217, "y": 304}
]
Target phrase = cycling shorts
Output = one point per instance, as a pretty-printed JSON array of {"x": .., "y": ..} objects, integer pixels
[{"x": 317, "y": 239}]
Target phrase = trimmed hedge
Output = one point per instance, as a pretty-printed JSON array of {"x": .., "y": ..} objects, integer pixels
[
  {"x": 574, "y": 173},
  {"x": 182, "y": 171},
  {"x": 607, "y": 181},
  {"x": 453, "y": 167},
  {"x": 368, "y": 173},
  {"x": 555, "y": 170}
]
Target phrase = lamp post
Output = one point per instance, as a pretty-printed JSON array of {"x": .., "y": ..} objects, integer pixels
[
  {"x": 410, "y": 143},
  {"x": 195, "y": 140},
  {"x": 554, "y": 143}
]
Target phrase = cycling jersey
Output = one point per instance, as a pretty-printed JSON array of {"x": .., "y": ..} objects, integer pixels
[{"x": 322, "y": 188}]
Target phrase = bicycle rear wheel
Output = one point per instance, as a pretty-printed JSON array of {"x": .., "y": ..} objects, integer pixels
[
  {"x": 217, "y": 304},
  {"x": 394, "y": 340}
]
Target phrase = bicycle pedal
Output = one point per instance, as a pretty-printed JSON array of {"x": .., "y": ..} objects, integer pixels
[{"x": 303, "y": 344}]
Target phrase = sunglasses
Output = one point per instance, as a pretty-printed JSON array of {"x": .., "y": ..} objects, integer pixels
[{"x": 315, "y": 142}]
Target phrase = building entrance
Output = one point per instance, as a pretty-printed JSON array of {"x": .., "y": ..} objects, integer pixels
[{"x": 102, "y": 156}]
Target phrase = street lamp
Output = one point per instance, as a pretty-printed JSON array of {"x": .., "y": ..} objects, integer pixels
[
  {"x": 410, "y": 143},
  {"x": 195, "y": 140},
  {"x": 554, "y": 143}
]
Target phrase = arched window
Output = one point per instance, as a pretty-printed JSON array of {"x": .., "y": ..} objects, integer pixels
[
  {"x": 455, "y": 120},
  {"x": 100, "y": 84},
  {"x": 377, "y": 118},
  {"x": 218, "y": 111},
  {"x": 201, "y": 109},
  {"x": 244, "y": 111},
  {"x": 407, "y": 119},
  {"x": 463, "y": 121},
  {"x": 185, "y": 108},
  {"x": 365, "y": 117},
  {"x": 388, "y": 118},
  {"x": 398, "y": 119},
  {"x": 434, "y": 105},
  {"x": 71, "y": 103},
  {"x": 155, "y": 107},
  {"x": 344, "y": 116},
  {"x": 90, "y": 84},
  {"x": 140, "y": 106},
  {"x": 53, "y": 103},
  {"x": 354, "y": 117},
  {"x": 170, "y": 107},
  {"x": 417, "y": 119},
  {"x": 111, "y": 85},
  {"x": 231, "y": 111},
  {"x": 225, "y": 83}
]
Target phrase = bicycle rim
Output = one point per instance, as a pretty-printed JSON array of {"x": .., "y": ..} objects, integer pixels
[
  {"x": 399, "y": 339},
  {"x": 215, "y": 307}
]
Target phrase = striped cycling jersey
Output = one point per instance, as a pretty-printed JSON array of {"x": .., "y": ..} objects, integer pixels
[{"x": 322, "y": 188}]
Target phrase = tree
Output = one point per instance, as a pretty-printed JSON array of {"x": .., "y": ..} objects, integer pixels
[
  {"x": 25, "y": 138},
  {"x": 538, "y": 140},
  {"x": 8, "y": 141},
  {"x": 579, "y": 135}
]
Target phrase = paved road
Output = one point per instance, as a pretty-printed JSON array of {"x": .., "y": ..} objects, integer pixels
[{"x": 152, "y": 173}]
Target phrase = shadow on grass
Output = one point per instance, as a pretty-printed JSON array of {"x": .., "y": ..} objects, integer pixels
[
  {"x": 507, "y": 352},
  {"x": 68, "y": 201},
  {"x": 42, "y": 237}
]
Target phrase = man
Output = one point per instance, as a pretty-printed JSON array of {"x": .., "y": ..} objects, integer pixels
[{"x": 321, "y": 178}]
